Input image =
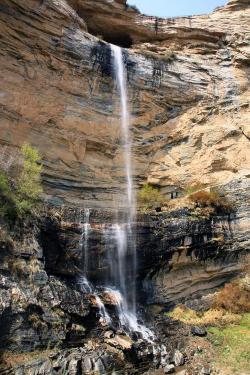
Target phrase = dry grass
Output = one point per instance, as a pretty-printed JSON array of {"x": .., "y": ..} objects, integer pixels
[
  {"x": 36, "y": 321},
  {"x": 234, "y": 297},
  {"x": 12, "y": 359},
  {"x": 24, "y": 269},
  {"x": 17, "y": 266},
  {"x": 212, "y": 317},
  {"x": 194, "y": 187},
  {"x": 227, "y": 307},
  {"x": 213, "y": 199}
]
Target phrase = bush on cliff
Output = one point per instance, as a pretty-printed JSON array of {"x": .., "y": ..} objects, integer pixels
[
  {"x": 28, "y": 187},
  {"x": 150, "y": 198},
  {"x": 234, "y": 297},
  {"x": 20, "y": 194},
  {"x": 204, "y": 198}
]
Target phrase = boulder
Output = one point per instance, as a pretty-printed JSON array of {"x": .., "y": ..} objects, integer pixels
[
  {"x": 205, "y": 371},
  {"x": 169, "y": 369},
  {"x": 86, "y": 365},
  {"x": 179, "y": 359},
  {"x": 120, "y": 342},
  {"x": 198, "y": 331}
]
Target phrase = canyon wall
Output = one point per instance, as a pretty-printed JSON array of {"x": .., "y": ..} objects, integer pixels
[
  {"x": 188, "y": 93},
  {"x": 188, "y": 84}
]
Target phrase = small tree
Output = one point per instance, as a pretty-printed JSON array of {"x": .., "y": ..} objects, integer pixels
[
  {"x": 150, "y": 198},
  {"x": 28, "y": 187}
]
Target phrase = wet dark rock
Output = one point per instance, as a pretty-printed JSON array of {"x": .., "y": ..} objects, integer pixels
[
  {"x": 198, "y": 331},
  {"x": 205, "y": 371}
]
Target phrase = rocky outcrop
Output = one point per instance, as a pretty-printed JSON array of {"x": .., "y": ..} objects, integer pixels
[
  {"x": 49, "y": 323},
  {"x": 184, "y": 256}
]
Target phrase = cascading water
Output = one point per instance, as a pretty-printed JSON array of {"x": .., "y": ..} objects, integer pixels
[
  {"x": 123, "y": 262},
  {"x": 105, "y": 318},
  {"x": 84, "y": 285},
  {"x": 119, "y": 237},
  {"x": 125, "y": 123},
  {"x": 83, "y": 243},
  {"x": 127, "y": 318},
  {"x": 126, "y": 254}
]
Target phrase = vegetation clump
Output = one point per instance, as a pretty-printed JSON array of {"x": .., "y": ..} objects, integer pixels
[
  {"x": 232, "y": 345},
  {"x": 20, "y": 193},
  {"x": 214, "y": 199},
  {"x": 211, "y": 317},
  {"x": 228, "y": 325},
  {"x": 150, "y": 198},
  {"x": 234, "y": 297},
  {"x": 227, "y": 307},
  {"x": 29, "y": 188}
]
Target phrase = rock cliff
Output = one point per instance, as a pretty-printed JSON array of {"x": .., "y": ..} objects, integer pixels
[
  {"x": 188, "y": 92},
  {"x": 188, "y": 85}
]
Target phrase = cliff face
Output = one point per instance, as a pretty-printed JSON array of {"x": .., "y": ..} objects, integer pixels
[
  {"x": 188, "y": 84},
  {"x": 189, "y": 97}
]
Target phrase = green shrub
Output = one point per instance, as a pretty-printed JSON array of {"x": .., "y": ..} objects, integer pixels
[
  {"x": 19, "y": 196},
  {"x": 149, "y": 198},
  {"x": 29, "y": 188}
]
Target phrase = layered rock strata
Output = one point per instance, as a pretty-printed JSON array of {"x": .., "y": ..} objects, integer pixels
[
  {"x": 188, "y": 82},
  {"x": 188, "y": 93}
]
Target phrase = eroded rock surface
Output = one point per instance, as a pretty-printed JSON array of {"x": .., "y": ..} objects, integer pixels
[
  {"x": 190, "y": 111},
  {"x": 188, "y": 83}
]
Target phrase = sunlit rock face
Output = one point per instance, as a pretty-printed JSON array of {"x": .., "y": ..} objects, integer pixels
[{"x": 190, "y": 113}]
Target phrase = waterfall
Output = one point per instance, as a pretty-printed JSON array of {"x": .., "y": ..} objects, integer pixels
[
  {"x": 105, "y": 318},
  {"x": 123, "y": 258},
  {"x": 124, "y": 236},
  {"x": 119, "y": 237},
  {"x": 85, "y": 239},
  {"x": 127, "y": 318},
  {"x": 125, "y": 123},
  {"x": 83, "y": 282},
  {"x": 84, "y": 285}
]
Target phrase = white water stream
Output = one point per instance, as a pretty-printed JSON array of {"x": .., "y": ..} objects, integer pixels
[
  {"x": 125, "y": 288},
  {"x": 120, "y": 241},
  {"x": 83, "y": 243},
  {"x": 85, "y": 285},
  {"x": 121, "y": 79}
]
